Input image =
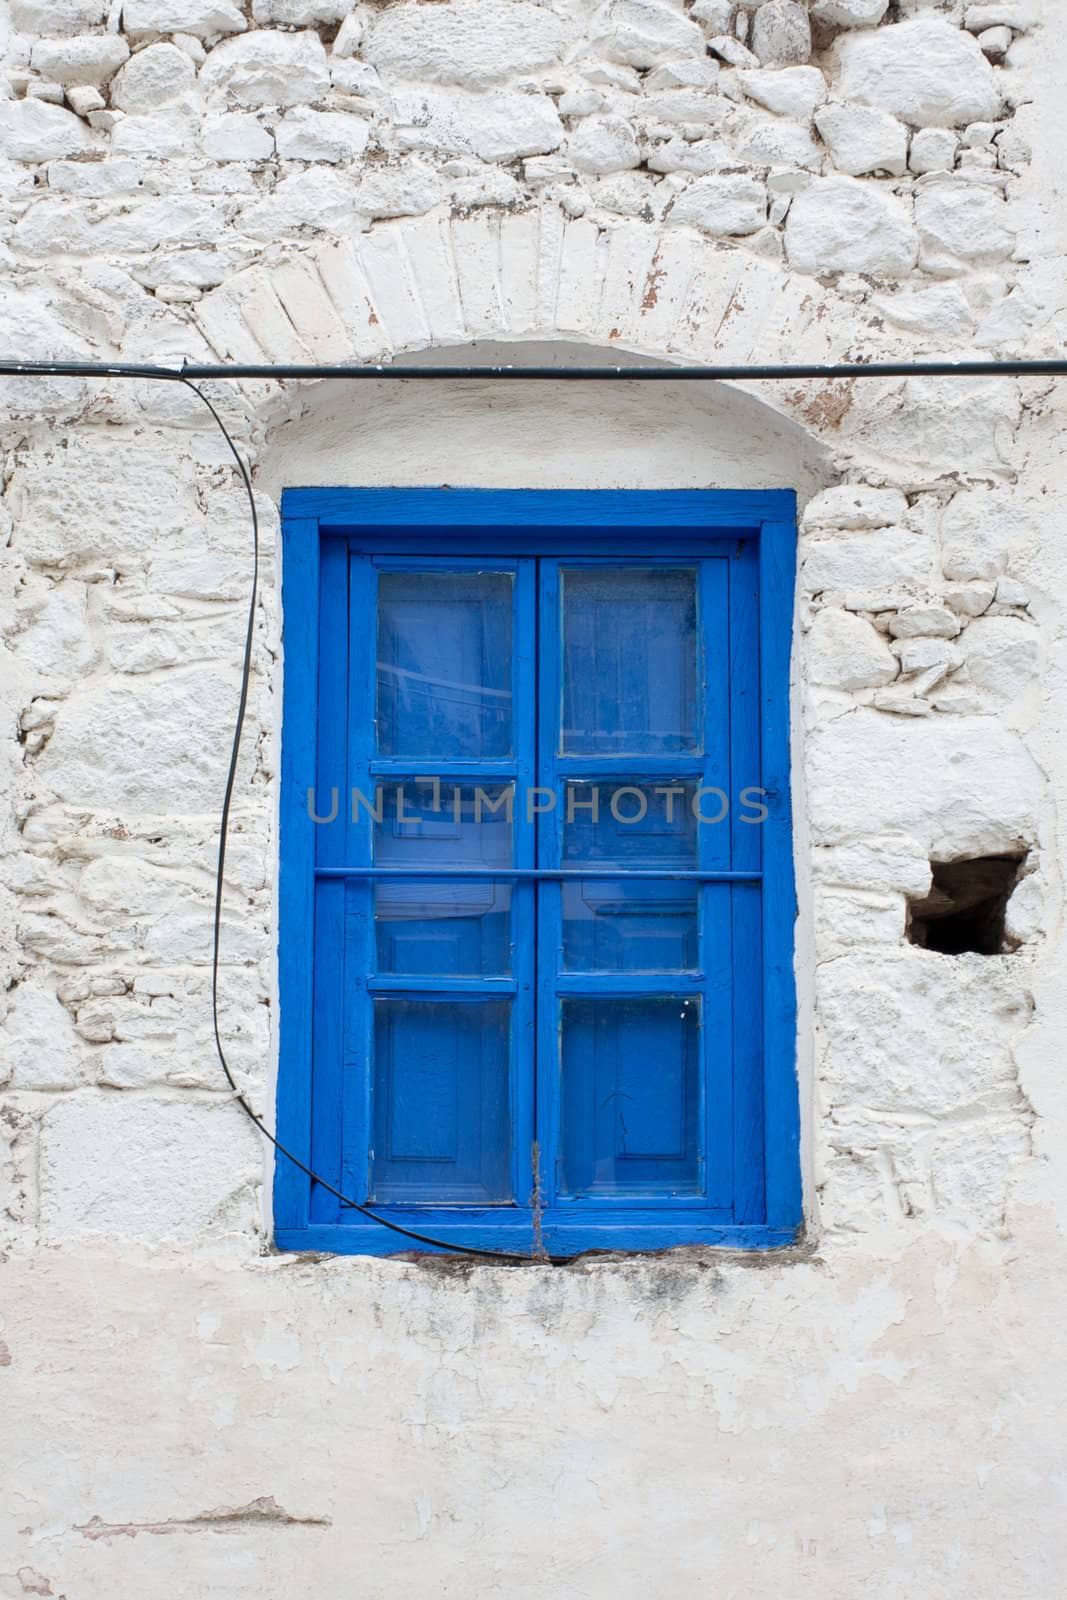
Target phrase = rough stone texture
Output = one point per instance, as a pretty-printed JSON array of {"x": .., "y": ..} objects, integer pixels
[
  {"x": 847, "y": 653},
  {"x": 88, "y": 59},
  {"x": 153, "y": 78},
  {"x": 925, "y": 72},
  {"x": 462, "y": 177},
  {"x": 849, "y": 13},
  {"x": 841, "y": 225},
  {"x": 781, "y": 33},
  {"x": 198, "y": 17},
  {"x": 268, "y": 69},
  {"x": 727, "y": 205},
  {"x": 787, "y": 91},
  {"x": 861, "y": 139},
  {"x": 473, "y": 43}
]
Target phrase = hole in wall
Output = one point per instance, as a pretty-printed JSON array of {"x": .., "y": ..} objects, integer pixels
[{"x": 965, "y": 909}]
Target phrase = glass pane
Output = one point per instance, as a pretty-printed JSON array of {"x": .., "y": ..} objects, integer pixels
[
  {"x": 451, "y": 927},
  {"x": 629, "y": 661},
  {"x": 436, "y": 927},
  {"x": 621, "y": 924},
  {"x": 442, "y": 1126},
  {"x": 630, "y": 1096},
  {"x": 444, "y": 664}
]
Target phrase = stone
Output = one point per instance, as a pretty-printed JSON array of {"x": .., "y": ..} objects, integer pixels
[
  {"x": 118, "y": 744},
  {"x": 972, "y": 787},
  {"x": 34, "y": 130},
  {"x": 1018, "y": 14},
  {"x": 268, "y": 69},
  {"x": 349, "y": 36},
  {"x": 203, "y": 18},
  {"x": 716, "y": 15},
  {"x": 84, "y": 99},
  {"x": 886, "y": 558},
  {"x": 875, "y": 862},
  {"x": 849, "y": 13},
  {"x": 781, "y": 33},
  {"x": 603, "y": 144},
  {"x": 995, "y": 42},
  {"x": 844, "y": 225},
  {"x": 331, "y": 136},
  {"x": 140, "y": 1166},
  {"x": 84, "y": 59},
  {"x": 1010, "y": 592},
  {"x": 700, "y": 157},
  {"x": 961, "y": 222},
  {"x": 969, "y": 599},
  {"x": 236, "y": 136},
  {"x": 732, "y": 51},
  {"x": 406, "y": 191},
  {"x": 57, "y": 18},
  {"x": 853, "y": 506},
  {"x": 933, "y": 150},
  {"x": 927, "y": 619},
  {"x": 789, "y": 92},
  {"x": 1002, "y": 655},
  {"x": 152, "y": 78},
  {"x": 722, "y": 205},
  {"x": 644, "y": 33},
  {"x": 925, "y": 72},
  {"x": 942, "y": 311},
  {"x": 299, "y": 13},
  {"x": 772, "y": 141},
  {"x": 845, "y": 652},
  {"x": 495, "y": 126},
  {"x": 38, "y": 1044},
  {"x": 472, "y": 43},
  {"x": 926, "y": 655},
  {"x": 691, "y": 72},
  {"x": 862, "y": 139}
]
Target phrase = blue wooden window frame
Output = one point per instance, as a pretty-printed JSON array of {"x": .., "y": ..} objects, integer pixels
[{"x": 755, "y": 534}]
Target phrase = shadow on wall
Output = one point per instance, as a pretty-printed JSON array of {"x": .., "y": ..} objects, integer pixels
[{"x": 537, "y": 435}]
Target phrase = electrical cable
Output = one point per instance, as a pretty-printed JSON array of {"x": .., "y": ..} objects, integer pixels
[
  {"x": 224, "y": 829},
  {"x": 188, "y": 372}
]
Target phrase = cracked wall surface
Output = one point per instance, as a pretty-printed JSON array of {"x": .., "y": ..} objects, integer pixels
[{"x": 878, "y": 1411}]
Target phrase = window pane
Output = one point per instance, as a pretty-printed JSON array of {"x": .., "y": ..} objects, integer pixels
[
  {"x": 444, "y": 824},
  {"x": 630, "y": 1096},
  {"x": 629, "y": 661},
  {"x": 444, "y": 664},
  {"x": 444, "y": 926},
  {"x": 442, "y": 1126},
  {"x": 630, "y": 925},
  {"x": 439, "y": 927}
]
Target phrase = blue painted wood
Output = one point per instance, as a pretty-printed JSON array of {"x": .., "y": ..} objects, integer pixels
[
  {"x": 777, "y": 581},
  {"x": 505, "y": 526},
  {"x": 589, "y": 509},
  {"x": 296, "y": 860}
]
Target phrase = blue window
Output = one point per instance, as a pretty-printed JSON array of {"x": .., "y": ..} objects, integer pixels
[{"x": 536, "y": 869}]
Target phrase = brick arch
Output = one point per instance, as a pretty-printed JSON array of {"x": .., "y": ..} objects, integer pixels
[{"x": 416, "y": 283}]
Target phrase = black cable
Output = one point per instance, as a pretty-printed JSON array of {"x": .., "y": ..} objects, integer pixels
[
  {"x": 1011, "y": 366},
  {"x": 224, "y": 827}
]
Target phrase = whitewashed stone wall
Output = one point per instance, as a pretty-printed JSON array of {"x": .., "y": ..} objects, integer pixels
[{"x": 880, "y": 1412}]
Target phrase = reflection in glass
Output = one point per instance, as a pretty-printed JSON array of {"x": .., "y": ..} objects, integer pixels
[
  {"x": 630, "y": 1095},
  {"x": 630, "y": 924},
  {"x": 441, "y": 1101},
  {"x": 444, "y": 664},
  {"x": 630, "y": 680}
]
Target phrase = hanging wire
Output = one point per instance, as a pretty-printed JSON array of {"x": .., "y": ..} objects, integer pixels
[{"x": 220, "y": 872}]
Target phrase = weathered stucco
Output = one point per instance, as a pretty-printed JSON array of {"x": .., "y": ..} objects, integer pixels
[{"x": 880, "y": 1411}]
